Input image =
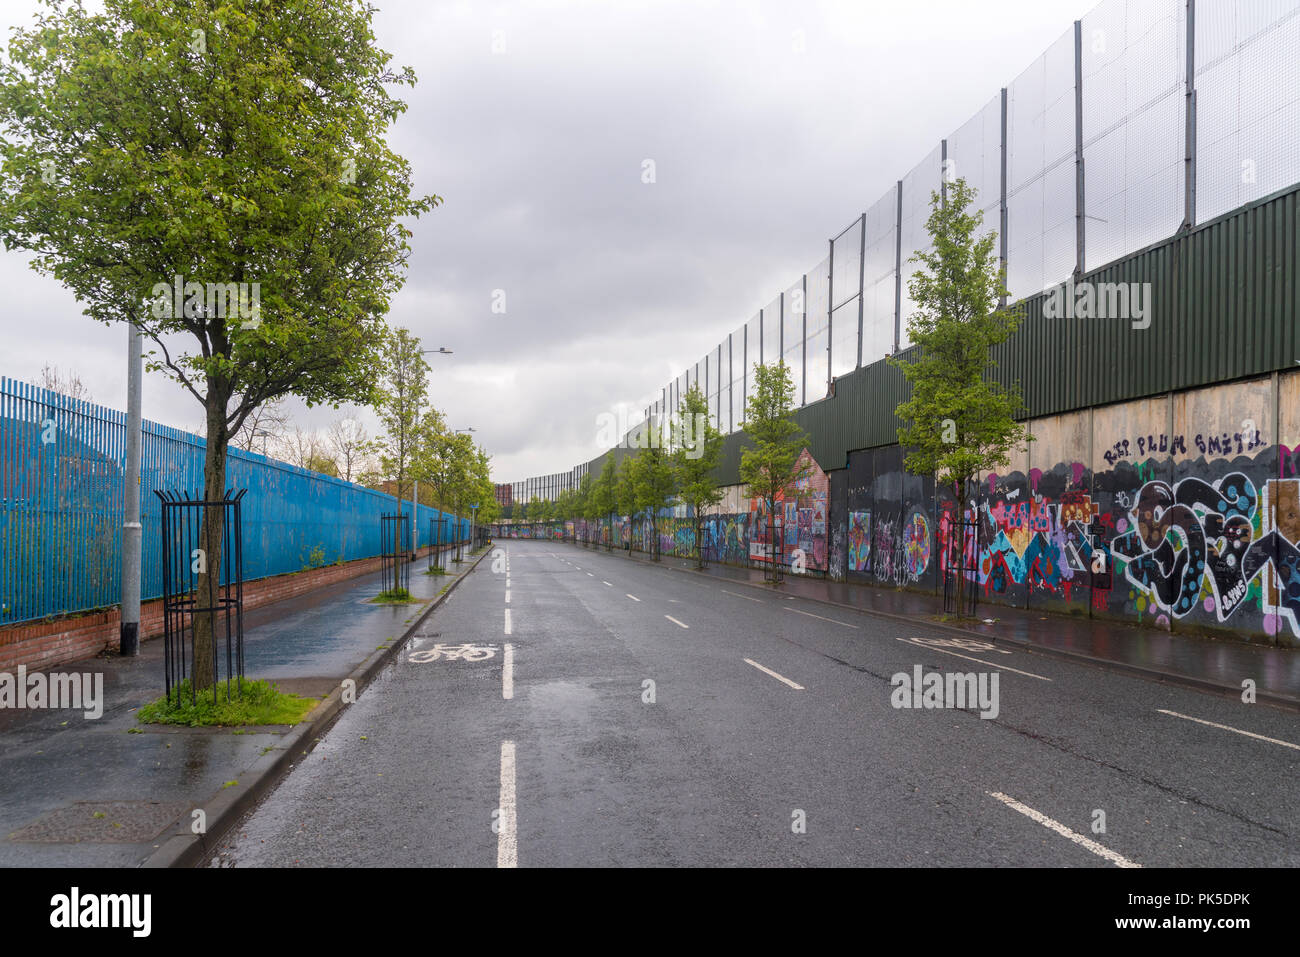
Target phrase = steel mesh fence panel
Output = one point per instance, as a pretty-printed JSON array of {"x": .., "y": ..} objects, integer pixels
[
  {"x": 975, "y": 155},
  {"x": 816, "y": 340},
  {"x": 918, "y": 185},
  {"x": 879, "y": 278},
  {"x": 1133, "y": 56},
  {"x": 737, "y": 379},
  {"x": 711, "y": 385},
  {"x": 772, "y": 332},
  {"x": 847, "y": 248},
  {"x": 793, "y": 334},
  {"x": 844, "y": 338},
  {"x": 1247, "y": 101},
  {"x": 1041, "y": 172},
  {"x": 846, "y": 288}
]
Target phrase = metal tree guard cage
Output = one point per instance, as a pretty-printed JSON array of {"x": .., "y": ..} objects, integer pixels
[
  {"x": 962, "y": 553},
  {"x": 395, "y": 548},
  {"x": 436, "y": 538},
  {"x": 198, "y": 584}
]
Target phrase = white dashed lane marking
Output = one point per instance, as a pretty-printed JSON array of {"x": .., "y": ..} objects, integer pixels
[
  {"x": 842, "y": 624},
  {"x": 1117, "y": 859},
  {"x": 769, "y": 671},
  {"x": 1225, "y": 727}
]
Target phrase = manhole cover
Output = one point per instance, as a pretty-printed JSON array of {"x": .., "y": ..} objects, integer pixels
[{"x": 106, "y": 822}]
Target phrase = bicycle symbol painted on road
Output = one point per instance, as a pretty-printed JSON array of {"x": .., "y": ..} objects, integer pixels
[
  {"x": 965, "y": 644},
  {"x": 441, "y": 652}
]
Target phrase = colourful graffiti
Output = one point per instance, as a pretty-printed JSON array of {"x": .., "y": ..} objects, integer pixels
[
  {"x": 916, "y": 545},
  {"x": 1204, "y": 544},
  {"x": 799, "y": 522},
  {"x": 859, "y": 541}
]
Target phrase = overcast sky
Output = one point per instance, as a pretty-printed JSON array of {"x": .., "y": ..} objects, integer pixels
[{"x": 771, "y": 127}]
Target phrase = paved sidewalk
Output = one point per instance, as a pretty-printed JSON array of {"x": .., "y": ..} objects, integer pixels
[
  {"x": 1216, "y": 665},
  {"x": 93, "y": 792}
]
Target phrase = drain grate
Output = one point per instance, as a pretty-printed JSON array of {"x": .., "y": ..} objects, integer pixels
[{"x": 103, "y": 822}]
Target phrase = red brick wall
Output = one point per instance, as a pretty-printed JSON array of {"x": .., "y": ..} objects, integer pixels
[{"x": 44, "y": 644}]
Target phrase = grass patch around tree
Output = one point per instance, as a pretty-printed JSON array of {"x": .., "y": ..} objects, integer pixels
[
  {"x": 395, "y": 596},
  {"x": 261, "y": 703}
]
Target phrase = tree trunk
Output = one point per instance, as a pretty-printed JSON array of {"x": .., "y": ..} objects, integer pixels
[{"x": 208, "y": 580}]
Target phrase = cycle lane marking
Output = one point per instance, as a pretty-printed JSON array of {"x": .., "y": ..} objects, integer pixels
[{"x": 990, "y": 664}]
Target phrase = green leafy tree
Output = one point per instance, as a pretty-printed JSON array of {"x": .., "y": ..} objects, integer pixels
[
  {"x": 772, "y": 466},
  {"x": 604, "y": 496},
  {"x": 588, "y": 506},
  {"x": 224, "y": 144},
  {"x": 464, "y": 483},
  {"x": 431, "y": 463},
  {"x": 627, "y": 495},
  {"x": 489, "y": 508},
  {"x": 958, "y": 421},
  {"x": 697, "y": 447},
  {"x": 402, "y": 389},
  {"x": 561, "y": 509},
  {"x": 656, "y": 483}
]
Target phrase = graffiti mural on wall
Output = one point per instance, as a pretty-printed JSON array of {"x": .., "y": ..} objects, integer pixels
[
  {"x": 896, "y": 545},
  {"x": 859, "y": 541},
  {"x": 1211, "y": 543},
  {"x": 800, "y": 520},
  {"x": 1206, "y": 545}
]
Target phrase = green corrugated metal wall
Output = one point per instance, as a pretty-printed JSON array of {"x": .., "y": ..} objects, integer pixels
[{"x": 1225, "y": 304}]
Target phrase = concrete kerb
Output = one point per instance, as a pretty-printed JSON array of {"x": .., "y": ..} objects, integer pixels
[
  {"x": 229, "y": 805},
  {"x": 1137, "y": 671}
]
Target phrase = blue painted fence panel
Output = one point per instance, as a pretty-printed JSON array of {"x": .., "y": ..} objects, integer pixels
[{"x": 62, "y": 506}]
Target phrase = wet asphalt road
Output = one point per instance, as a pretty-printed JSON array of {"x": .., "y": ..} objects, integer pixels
[{"x": 435, "y": 766}]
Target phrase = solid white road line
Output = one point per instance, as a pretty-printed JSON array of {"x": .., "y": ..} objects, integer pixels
[
  {"x": 633, "y": 597},
  {"x": 1117, "y": 859},
  {"x": 996, "y": 666},
  {"x": 507, "y": 838},
  {"x": 811, "y": 615},
  {"x": 734, "y": 595},
  {"x": 508, "y": 672},
  {"x": 508, "y": 622},
  {"x": 676, "y": 622},
  {"x": 769, "y": 671},
  {"x": 1224, "y": 727}
]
